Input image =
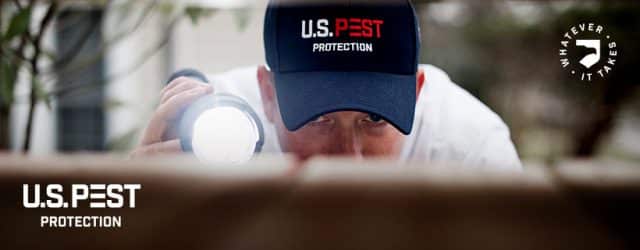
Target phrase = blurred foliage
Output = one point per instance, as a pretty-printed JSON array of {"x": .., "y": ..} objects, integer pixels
[
  {"x": 19, "y": 24},
  {"x": 242, "y": 18},
  {"x": 195, "y": 13},
  {"x": 511, "y": 62},
  {"x": 22, "y": 50}
]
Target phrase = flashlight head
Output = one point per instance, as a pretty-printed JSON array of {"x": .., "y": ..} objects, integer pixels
[{"x": 221, "y": 129}]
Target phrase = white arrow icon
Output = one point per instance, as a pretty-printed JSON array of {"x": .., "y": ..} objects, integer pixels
[{"x": 591, "y": 59}]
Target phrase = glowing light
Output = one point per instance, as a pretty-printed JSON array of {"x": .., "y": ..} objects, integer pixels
[{"x": 224, "y": 136}]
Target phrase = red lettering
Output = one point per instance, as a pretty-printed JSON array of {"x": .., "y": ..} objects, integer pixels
[
  {"x": 378, "y": 23},
  {"x": 366, "y": 28},
  {"x": 341, "y": 25},
  {"x": 359, "y": 27},
  {"x": 355, "y": 27}
]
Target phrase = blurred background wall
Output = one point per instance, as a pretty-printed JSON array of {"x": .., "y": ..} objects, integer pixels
[{"x": 503, "y": 52}]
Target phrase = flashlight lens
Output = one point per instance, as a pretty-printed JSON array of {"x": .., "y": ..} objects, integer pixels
[{"x": 224, "y": 136}]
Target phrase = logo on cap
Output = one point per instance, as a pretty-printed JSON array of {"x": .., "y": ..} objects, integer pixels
[{"x": 352, "y": 27}]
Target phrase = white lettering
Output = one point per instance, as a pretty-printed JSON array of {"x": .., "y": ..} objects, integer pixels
[
  {"x": 307, "y": 33},
  {"x": 342, "y": 47},
  {"x": 323, "y": 28},
  {"x": 132, "y": 193},
  {"x": 78, "y": 192},
  {"x": 81, "y": 221},
  {"x": 54, "y": 191},
  {"x": 36, "y": 196},
  {"x": 113, "y": 192}
]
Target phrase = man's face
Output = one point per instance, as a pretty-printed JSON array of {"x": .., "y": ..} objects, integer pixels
[{"x": 345, "y": 133}]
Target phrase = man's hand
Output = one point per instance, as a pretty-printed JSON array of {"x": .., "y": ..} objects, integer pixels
[{"x": 160, "y": 136}]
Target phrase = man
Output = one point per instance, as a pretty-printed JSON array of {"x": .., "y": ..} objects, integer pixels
[{"x": 343, "y": 79}]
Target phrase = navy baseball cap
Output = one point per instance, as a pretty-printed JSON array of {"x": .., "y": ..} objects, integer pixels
[{"x": 329, "y": 56}]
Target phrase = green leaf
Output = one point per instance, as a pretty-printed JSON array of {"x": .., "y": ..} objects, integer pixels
[
  {"x": 8, "y": 74},
  {"x": 19, "y": 24},
  {"x": 195, "y": 13},
  {"x": 41, "y": 93}
]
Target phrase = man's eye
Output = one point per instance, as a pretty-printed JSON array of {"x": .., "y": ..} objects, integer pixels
[
  {"x": 374, "y": 118},
  {"x": 319, "y": 120}
]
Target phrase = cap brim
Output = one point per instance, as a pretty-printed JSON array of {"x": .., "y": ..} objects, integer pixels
[{"x": 303, "y": 96}]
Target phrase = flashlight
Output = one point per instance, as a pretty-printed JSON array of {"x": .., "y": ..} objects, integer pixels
[{"x": 220, "y": 129}]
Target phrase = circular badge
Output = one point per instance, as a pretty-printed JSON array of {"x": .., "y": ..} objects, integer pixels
[{"x": 588, "y": 52}]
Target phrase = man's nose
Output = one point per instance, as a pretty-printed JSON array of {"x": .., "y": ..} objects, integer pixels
[{"x": 348, "y": 144}]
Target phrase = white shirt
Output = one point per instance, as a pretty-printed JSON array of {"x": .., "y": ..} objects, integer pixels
[{"x": 450, "y": 124}]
